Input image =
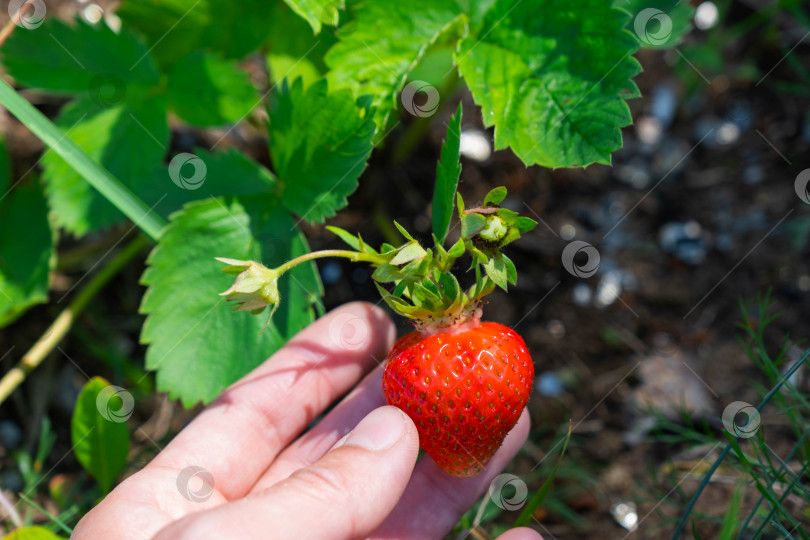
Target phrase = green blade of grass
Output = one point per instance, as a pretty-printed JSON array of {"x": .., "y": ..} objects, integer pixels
[
  {"x": 727, "y": 449},
  {"x": 109, "y": 186},
  {"x": 771, "y": 516},
  {"x": 54, "y": 519},
  {"x": 778, "y": 526},
  {"x": 759, "y": 502},
  {"x": 730, "y": 521},
  {"x": 540, "y": 495}
]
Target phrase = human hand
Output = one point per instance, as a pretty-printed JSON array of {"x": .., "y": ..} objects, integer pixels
[{"x": 257, "y": 478}]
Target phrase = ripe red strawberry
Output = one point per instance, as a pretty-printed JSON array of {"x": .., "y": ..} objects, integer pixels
[{"x": 464, "y": 389}]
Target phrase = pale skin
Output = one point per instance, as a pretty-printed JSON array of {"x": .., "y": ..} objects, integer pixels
[{"x": 353, "y": 475}]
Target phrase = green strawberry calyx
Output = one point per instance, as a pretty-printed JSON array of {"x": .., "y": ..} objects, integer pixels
[{"x": 414, "y": 281}]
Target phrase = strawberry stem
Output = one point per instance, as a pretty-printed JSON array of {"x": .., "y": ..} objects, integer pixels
[
  {"x": 414, "y": 281},
  {"x": 353, "y": 256}
]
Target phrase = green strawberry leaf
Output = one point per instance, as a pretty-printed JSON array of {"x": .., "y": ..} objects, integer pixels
[
  {"x": 99, "y": 430},
  {"x": 658, "y": 24},
  {"x": 355, "y": 242},
  {"x": 294, "y": 50},
  {"x": 525, "y": 224},
  {"x": 206, "y": 91},
  {"x": 171, "y": 28},
  {"x": 389, "y": 40},
  {"x": 197, "y": 345},
  {"x": 26, "y": 247},
  {"x": 457, "y": 250},
  {"x": 128, "y": 139},
  {"x": 447, "y": 174},
  {"x": 471, "y": 224},
  {"x": 222, "y": 173},
  {"x": 498, "y": 272},
  {"x": 351, "y": 240},
  {"x": 409, "y": 252},
  {"x": 32, "y": 533},
  {"x": 316, "y": 12},
  {"x": 495, "y": 196},
  {"x": 319, "y": 142},
  {"x": 552, "y": 77},
  {"x": 5, "y": 171},
  {"x": 78, "y": 58},
  {"x": 475, "y": 11},
  {"x": 175, "y": 28},
  {"x": 403, "y": 231},
  {"x": 511, "y": 271}
]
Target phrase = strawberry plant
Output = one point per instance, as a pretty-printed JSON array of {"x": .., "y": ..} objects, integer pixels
[
  {"x": 552, "y": 78},
  {"x": 151, "y": 105},
  {"x": 463, "y": 382}
]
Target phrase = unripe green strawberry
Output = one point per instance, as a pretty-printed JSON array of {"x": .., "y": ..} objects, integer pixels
[{"x": 463, "y": 387}]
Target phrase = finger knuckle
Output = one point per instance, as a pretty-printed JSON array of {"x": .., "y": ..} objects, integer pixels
[{"x": 322, "y": 483}]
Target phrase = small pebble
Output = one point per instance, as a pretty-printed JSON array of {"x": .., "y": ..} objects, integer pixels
[
  {"x": 12, "y": 480},
  {"x": 625, "y": 514},
  {"x": 635, "y": 173},
  {"x": 93, "y": 13},
  {"x": 649, "y": 130},
  {"x": 11, "y": 435},
  {"x": 684, "y": 241},
  {"x": 582, "y": 294},
  {"x": 556, "y": 328},
  {"x": 753, "y": 174},
  {"x": 608, "y": 289},
  {"x": 568, "y": 232},
  {"x": 331, "y": 272},
  {"x": 724, "y": 242},
  {"x": 629, "y": 281},
  {"x": 740, "y": 113},
  {"x": 664, "y": 104},
  {"x": 474, "y": 144},
  {"x": 706, "y": 15},
  {"x": 713, "y": 132},
  {"x": 728, "y": 133},
  {"x": 549, "y": 384}
]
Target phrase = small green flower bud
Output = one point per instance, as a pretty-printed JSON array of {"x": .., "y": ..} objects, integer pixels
[{"x": 255, "y": 287}]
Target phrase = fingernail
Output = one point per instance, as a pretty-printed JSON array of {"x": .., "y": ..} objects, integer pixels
[{"x": 380, "y": 430}]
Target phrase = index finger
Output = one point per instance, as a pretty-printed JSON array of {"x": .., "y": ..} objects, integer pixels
[{"x": 237, "y": 437}]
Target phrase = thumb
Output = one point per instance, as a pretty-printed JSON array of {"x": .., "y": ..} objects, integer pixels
[
  {"x": 346, "y": 494},
  {"x": 521, "y": 533}
]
